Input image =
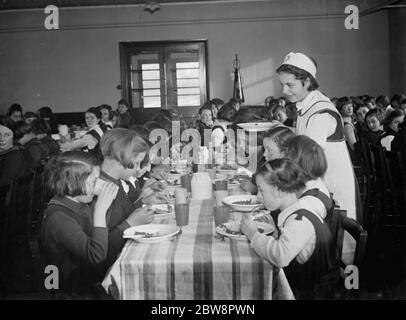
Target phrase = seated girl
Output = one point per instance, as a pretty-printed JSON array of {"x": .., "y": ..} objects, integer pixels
[
  {"x": 205, "y": 122},
  {"x": 391, "y": 125},
  {"x": 35, "y": 152},
  {"x": 125, "y": 156},
  {"x": 12, "y": 161},
  {"x": 73, "y": 236},
  {"x": 90, "y": 141},
  {"x": 219, "y": 141},
  {"x": 345, "y": 107},
  {"x": 275, "y": 145},
  {"x": 106, "y": 116},
  {"x": 303, "y": 244},
  {"x": 374, "y": 120}
]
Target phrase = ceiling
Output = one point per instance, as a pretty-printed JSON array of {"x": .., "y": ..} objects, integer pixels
[{"x": 364, "y": 5}]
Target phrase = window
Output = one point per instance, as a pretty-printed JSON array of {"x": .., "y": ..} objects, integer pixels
[{"x": 164, "y": 74}]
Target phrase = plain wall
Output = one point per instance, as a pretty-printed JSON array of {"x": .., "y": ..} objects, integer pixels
[
  {"x": 397, "y": 27},
  {"x": 77, "y": 66}
]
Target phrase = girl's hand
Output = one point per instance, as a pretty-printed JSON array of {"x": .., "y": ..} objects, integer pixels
[
  {"x": 141, "y": 216},
  {"x": 154, "y": 184},
  {"x": 107, "y": 194},
  {"x": 248, "y": 226},
  {"x": 156, "y": 198},
  {"x": 248, "y": 186}
]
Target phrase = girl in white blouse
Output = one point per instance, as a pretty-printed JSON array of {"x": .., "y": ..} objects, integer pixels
[{"x": 303, "y": 246}]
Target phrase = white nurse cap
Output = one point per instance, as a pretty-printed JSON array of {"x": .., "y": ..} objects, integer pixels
[{"x": 301, "y": 61}]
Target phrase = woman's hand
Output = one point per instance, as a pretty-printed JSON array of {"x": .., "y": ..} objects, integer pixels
[
  {"x": 248, "y": 226},
  {"x": 107, "y": 194},
  {"x": 141, "y": 216}
]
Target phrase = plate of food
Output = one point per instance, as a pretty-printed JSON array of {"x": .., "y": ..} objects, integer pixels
[
  {"x": 232, "y": 229},
  {"x": 151, "y": 233},
  {"x": 257, "y": 126},
  {"x": 243, "y": 202}
]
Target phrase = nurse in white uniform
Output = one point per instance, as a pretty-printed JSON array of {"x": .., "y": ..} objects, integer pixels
[{"x": 319, "y": 119}]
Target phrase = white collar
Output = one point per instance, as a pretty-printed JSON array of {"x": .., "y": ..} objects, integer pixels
[{"x": 307, "y": 102}]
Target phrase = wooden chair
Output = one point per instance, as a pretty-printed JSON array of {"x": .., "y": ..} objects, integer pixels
[
  {"x": 39, "y": 196},
  {"x": 396, "y": 226},
  {"x": 368, "y": 184},
  {"x": 338, "y": 223},
  {"x": 5, "y": 197}
]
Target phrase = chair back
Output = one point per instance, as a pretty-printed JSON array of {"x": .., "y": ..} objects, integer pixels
[
  {"x": 5, "y": 198},
  {"x": 39, "y": 196},
  {"x": 21, "y": 208}
]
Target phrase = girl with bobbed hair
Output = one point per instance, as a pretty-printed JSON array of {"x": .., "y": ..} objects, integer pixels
[
  {"x": 125, "y": 155},
  {"x": 74, "y": 236},
  {"x": 15, "y": 112},
  {"x": 302, "y": 244},
  {"x": 346, "y": 109},
  {"x": 392, "y": 125}
]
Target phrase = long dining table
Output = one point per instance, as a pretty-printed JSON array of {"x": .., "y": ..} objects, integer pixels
[{"x": 197, "y": 264}]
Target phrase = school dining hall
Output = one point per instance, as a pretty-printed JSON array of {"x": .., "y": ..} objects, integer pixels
[{"x": 236, "y": 150}]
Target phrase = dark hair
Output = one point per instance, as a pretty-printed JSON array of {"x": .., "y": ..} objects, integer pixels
[
  {"x": 356, "y": 108},
  {"x": 280, "y": 135},
  {"x": 39, "y": 126},
  {"x": 67, "y": 172},
  {"x": 95, "y": 111},
  {"x": 309, "y": 155},
  {"x": 217, "y": 101},
  {"x": 246, "y": 114},
  {"x": 47, "y": 114},
  {"x": 30, "y": 114},
  {"x": 13, "y": 108},
  {"x": 300, "y": 74},
  {"x": 205, "y": 107},
  {"x": 396, "y": 100},
  {"x": 341, "y": 102},
  {"x": 284, "y": 174},
  {"x": 21, "y": 128},
  {"x": 108, "y": 108},
  {"x": 227, "y": 112},
  {"x": 375, "y": 113},
  {"x": 122, "y": 101},
  {"x": 392, "y": 115},
  {"x": 382, "y": 101},
  {"x": 165, "y": 118}
]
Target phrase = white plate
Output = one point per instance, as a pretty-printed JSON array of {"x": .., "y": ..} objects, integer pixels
[
  {"x": 160, "y": 232},
  {"x": 230, "y": 201},
  {"x": 257, "y": 126},
  {"x": 263, "y": 227}
]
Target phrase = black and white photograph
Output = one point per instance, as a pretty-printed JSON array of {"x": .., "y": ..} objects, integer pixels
[{"x": 217, "y": 152}]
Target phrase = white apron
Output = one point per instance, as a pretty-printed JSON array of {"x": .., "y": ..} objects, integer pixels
[{"x": 339, "y": 177}]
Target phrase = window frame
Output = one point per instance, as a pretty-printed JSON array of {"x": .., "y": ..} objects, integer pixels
[{"x": 167, "y": 80}]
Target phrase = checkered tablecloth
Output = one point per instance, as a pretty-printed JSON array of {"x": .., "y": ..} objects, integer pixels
[{"x": 195, "y": 265}]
